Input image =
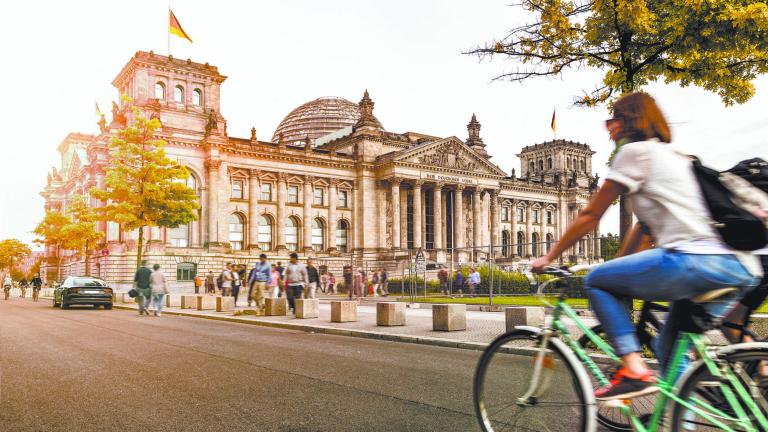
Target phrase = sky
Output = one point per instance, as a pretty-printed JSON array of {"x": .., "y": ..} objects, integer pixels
[{"x": 60, "y": 57}]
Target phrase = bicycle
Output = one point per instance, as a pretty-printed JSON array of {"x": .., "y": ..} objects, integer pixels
[{"x": 541, "y": 378}]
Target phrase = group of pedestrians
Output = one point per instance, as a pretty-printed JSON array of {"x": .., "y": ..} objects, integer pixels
[
  {"x": 471, "y": 282},
  {"x": 36, "y": 283},
  {"x": 151, "y": 288},
  {"x": 360, "y": 285}
]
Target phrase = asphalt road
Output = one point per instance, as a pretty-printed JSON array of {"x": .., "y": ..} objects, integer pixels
[{"x": 97, "y": 370}]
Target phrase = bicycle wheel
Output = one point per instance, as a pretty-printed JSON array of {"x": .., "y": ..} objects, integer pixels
[
  {"x": 503, "y": 397},
  {"x": 747, "y": 362}
]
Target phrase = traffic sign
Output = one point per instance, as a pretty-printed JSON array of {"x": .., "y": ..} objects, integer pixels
[{"x": 421, "y": 262}]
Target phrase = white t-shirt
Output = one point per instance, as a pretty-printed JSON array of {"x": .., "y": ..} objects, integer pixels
[{"x": 665, "y": 196}]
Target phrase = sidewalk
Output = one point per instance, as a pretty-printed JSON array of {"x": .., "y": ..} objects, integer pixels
[{"x": 482, "y": 327}]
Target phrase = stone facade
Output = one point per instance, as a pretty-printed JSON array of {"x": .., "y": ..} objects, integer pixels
[{"x": 358, "y": 195}]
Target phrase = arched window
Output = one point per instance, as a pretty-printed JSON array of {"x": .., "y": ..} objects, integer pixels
[
  {"x": 197, "y": 97},
  {"x": 160, "y": 91},
  {"x": 535, "y": 244},
  {"x": 550, "y": 240},
  {"x": 318, "y": 235},
  {"x": 236, "y": 231},
  {"x": 178, "y": 94},
  {"x": 568, "y": 163},
  {"x": 505, "y": 243},
  {"x": 549, "y": 163},
  {"x": 541, "y": 166},
  {"x": 533, "y": 167},
  {"x": 575, "y": 164},
  {"x": 342, "y": 230},
  {"x": 292, "y": 234},
  {"x": 191, "y": 182},
  {"x": 265, "y": 233},
  {"x": 583, "y": 165},
  {"x": 581, "y": 247},
  {"x": 520, "y": 241}
]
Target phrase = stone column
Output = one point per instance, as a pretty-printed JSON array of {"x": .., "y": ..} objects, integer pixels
[
  {"x": 404, "y": 220},
  {"x": 458, "y": 217},
  {"x": 307, "y": 216},
  {"x": 282, "y": 195},
  {"x": 542, "y": 231},
  {"x": 528, "y": 230},
  {"x": 513, "y": 234},
  {"x": 438, "y": 216},
  {"x": 395, "y": 197},
  {"x": 417, "y": 214},
  {"x": 332, "y": 221},
  {"x": 443, "y": 209},
  {"x": 253, "y": 210},
  {"x": 495, "y": 222},
  {"x": 212, "y": 165},
  {"x": 477, "y": 219}
]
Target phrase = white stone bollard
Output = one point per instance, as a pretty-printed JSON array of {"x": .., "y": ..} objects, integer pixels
[
  {"x": 172, "y": 300},
  {"x": 206, "y": 302},
  {"x": 225, "y": 304},
  {"x": 343, "y": 311},
  {"x": 188, "y": 301},
  {"x": 449, "y": 317},
  {"x": 276, "y": 306},
  {"x": 524, "y": 316},
  {"x": 128, "y": 299},
  {"x": 390, "y": 314},
  {"x": 307, "y": 308}
]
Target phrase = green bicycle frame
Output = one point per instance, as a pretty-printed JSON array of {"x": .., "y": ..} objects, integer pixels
[{"x": 720, "y": 370}]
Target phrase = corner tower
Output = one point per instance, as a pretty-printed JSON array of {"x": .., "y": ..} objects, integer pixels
[{"x": 559, "y": 157}]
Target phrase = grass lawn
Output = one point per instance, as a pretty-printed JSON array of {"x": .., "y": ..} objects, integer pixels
[{"x": 523, "y": 300}]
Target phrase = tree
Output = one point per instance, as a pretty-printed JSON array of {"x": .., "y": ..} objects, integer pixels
[
  {"x": 81, "y": 233},
  {"x": 144, "y": 188},
  {"x": 719, "y": 45},
  {"x": 11, "y": 251},
  {"x": 50, "y": 232},
  {"x": 609, "y": 246}
]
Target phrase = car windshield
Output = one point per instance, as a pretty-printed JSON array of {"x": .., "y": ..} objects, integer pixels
[{"x": 85, "y": 282}]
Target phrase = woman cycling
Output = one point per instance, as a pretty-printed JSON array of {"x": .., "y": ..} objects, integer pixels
[{"x": 690, "y": 258}]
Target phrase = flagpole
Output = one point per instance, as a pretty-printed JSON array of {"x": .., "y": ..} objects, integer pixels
[{"x": 168, "y": 30}]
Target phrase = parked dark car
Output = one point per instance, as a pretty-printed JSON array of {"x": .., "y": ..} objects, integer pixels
[{"x": 82, "y": 290}]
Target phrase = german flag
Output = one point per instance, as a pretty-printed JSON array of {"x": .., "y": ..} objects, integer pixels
[
  {"x": 175, "y": 28},
  {"x": 552, "y": 124}
]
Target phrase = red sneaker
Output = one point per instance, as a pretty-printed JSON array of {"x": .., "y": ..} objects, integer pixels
[{"x": 625, "y": 385}]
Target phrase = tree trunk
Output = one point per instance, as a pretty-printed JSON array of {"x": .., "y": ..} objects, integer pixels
[
  {"x": 58, "y": 266},
  {"x": 625, "y": 217},
  {"x": 140, "y": 248},
  {"x": 87, "y": 272}
]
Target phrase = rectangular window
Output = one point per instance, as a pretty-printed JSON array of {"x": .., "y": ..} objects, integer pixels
[
  {"x": 318, "y": 197},
  {"x": 505, "y": 214},
  {"x": 186, "y": 272},
  {"x": 535, "y": 216},
  {"x": 520, "y": 214},
  {"x": 179, "y": 237},
  {"x": 343, "y": 202},
  {"x": 549, "y": 217},
  {"x": 293, "y": 194},
  {"x": 237, "y": 189},
  {"x": 266, "y": 192}
]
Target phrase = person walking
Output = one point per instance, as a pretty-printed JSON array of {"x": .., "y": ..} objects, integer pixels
[
  {"x": 349, "y": 280},
  {"x": 458, "y": 282},
  {"x": 281, "y": 280},
  {"x": 473, "y": 281},
  {"x": 324, "y": 283},
  {"x": 159, "y": 289},
  {"x": 358, "y": 283},
  {"x": 442, "y": 277},
  {"x": 210, "y": 282},
  {"x": 198, "y": 283},
  {"x": 238, "y": 274},
  {"x": 226, "y": 280},
  {"x": 37, "y": 284},
  {"x": 143, "y": 284},
  {"x": 274, "y": 282},
  {"x": 331, "y": 283},
  {"x": 296, "y": 279},
  {"x": 384, "y": 282},
  {"x": 314, "y": 279},
  {"x": 7, "y": 284},
  {"x": 375, "y": 282},
  {"x": 257, "y": 281}
]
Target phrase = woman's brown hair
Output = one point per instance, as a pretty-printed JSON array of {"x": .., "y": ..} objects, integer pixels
[{"x": 641, "y": 118}]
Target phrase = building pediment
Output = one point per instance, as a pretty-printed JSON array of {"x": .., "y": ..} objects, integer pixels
[{"x": 448, "y": 153}]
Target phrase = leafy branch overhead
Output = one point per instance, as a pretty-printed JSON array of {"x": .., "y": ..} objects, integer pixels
[{"x": 718, "y": 45}]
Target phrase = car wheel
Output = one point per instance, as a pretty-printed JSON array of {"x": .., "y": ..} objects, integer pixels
[
  {"x": 95, "y": 306},
  {"x": 107, "y": 306}
]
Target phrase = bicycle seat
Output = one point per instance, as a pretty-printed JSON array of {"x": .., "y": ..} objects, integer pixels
[{"x": 712, "y": 295}]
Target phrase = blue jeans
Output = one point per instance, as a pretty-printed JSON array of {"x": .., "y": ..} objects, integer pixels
[
  {"x": 157, "y": 300},
  {"x": 660, "y": 275}
]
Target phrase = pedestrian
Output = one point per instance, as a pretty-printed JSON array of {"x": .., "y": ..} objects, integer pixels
[
  {"x": 274, "y": 282},
  {"x": 159, "y": 289},
  {"x": 314, "y": 279},
  {"x": 375, "y": 282},
  {"x": 358, "y": 283},
  {"x": 226, "y": 280},
  {"x": 7, "y": 284},
  {"x": 458, "y": 282},
  {"x": 198, "y": 283},
  {"x": 37, "y": 284},
  {"x": 295, "y": 280},
  {"x": 442, "y": 276},
  {"x": 23, "y": 288},
  {"x": 143, "y": 284},
  {"x": 258, "y": 278},
  {"x": 364, "y": 282},
  {"x": 348, "y": 280},
  {"x": 281, "y": 280},
  {"x": 210, "y": 283},
  {"x": 238, "y": 275},
  {"x": 473, "y": 281},
  {"x": 331, "y": 283},
  {"x": 324, "y": 282},
  {"x": 384, "y": 281}
]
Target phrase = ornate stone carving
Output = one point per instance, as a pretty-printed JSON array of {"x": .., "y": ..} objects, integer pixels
[
  {"x": 255, "y": 173},
  {"x": 388, "y": 218},
  {"x": 253, "y": 134},
  {"x": 448, "y": 155},
  {"x": 212, "y": 123},
  {"x": 212, "y": 164}
]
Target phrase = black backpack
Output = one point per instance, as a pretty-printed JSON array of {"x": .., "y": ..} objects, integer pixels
[
  {"x": 220, "y": 280},
  {"x": 738, "y": 228},
  {"x": 753, "y": 170}
]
